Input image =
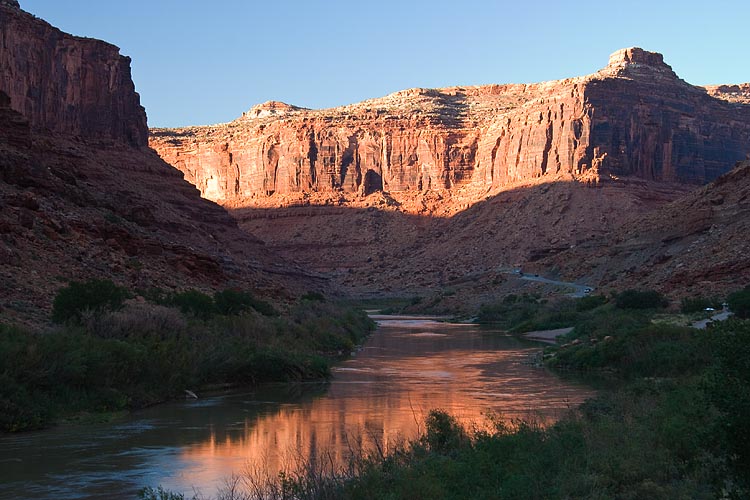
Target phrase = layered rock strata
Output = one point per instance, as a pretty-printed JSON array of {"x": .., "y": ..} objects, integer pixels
[
  {"x": 68, "y": 84},
  {"x": 635, "y": 117}
]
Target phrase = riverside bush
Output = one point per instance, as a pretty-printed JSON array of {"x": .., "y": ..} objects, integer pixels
[
  {"x": 739, "y": 303},
  {"x": 510, "y": 311},
  {"x": 229, "y": 302},
  {"x": 314, "y": 297},
  {"x": 696, "y": 304},
  {"x": 527, "y": 313},
  {"x": 626, "y": 341},
  {"x": 640, "y": 299},
  {"x": 590, "y": 302},
  {"x": 194, "y": 303},
  {"x": 727, "y": 384},
  {"x": 147, "y": 353},
  {"x": 94, "y": 295}
]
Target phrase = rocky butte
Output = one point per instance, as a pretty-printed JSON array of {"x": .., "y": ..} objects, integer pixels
[
  {"x": 634, "y": 117},
  {"x": 82, "y": 196},
  {"x": 424, "y": 188}
]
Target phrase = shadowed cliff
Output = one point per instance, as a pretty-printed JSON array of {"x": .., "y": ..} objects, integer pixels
[{"x": 82, "y": 197}]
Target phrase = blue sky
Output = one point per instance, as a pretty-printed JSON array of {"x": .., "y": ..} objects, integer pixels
[{"x": 200, "y": 62}]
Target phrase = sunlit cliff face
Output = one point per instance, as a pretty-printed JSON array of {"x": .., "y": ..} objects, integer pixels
[{"x": 385, "y": 399}]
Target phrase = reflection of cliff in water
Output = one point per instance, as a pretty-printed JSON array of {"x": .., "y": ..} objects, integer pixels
[
  {"x": 383, "y": 395},
  {"x": 407, "y": 368}
]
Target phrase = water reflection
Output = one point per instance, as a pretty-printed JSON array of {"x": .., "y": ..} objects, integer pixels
[
  {"x": 384, "y": 393},
  {"x": 408, "y": 367}
]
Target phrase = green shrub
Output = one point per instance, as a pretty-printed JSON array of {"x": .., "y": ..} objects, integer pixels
[
  {"x": 195, "y": 303},
  {"x": 443, "y": 432},
  {"x": 511, "y": 311},
  {"x": 230, "y": 301},
  {"x": 728, "y": 385},
  {"x": 640, "y": 299},
  {"x": 263, "y": 307},
  {"x": 590, "y": 302},
  {"x": 314, "y": 297},
  {"x": 739, "y": 303},
  {"x": 94, "y": 295},
  {"x": 696, "y": 304}
]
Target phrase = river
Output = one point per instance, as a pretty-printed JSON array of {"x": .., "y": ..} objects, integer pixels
[{"x": 382, "y": 394}]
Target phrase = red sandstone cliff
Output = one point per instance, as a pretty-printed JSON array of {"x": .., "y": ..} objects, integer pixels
[
  {"x": 67, "y": 84},
  {"x": 634, "y": 117}
]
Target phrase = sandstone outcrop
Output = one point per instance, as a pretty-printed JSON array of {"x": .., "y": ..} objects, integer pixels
[
  {"x": 67, "y": 84},
  {"x": 635, "y": 117},
  {"x": 739, "y": 93}
]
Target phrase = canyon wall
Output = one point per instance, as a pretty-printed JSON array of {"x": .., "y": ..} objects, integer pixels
[
  {"x": 81, "y": 196},
  {"x": 635, "y": 117},
  {"x": 68, "y": 84}
]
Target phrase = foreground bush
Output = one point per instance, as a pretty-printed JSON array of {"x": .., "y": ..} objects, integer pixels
[
  {"x": 640, "y": 299},
  {"x": 510, "y": 311},
  {"x": 696, "y": 304},
  {"x": 95, "y": 295},
  {"x": 648, "y": 440},
  {"x": 739, "y": 303},
  {"x": 194, "y": 303},
  {"x": 728, "y": 386}
]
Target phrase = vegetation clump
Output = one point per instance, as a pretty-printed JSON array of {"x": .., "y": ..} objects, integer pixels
[
  {"x": 193, "y": 302},
  {"x": 640, "y": 299},
  {"x": 314, "y": 297},
  {"x": 230, "y": 301},
  {"x": 73, "y": 301},
  {"x": 690, "y": 305},
  {"x": 111, "y": 355},
  {"x": 511, "y": 311},
  {"x": 739, "y": 303}
]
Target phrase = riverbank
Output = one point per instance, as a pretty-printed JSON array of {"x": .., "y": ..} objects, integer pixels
[
  {"x": 147, "y": 353},
  {"x": 378, "y": 396}
]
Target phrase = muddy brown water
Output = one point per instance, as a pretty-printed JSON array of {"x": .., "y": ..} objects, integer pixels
[{"x": 382, "y": 394}]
